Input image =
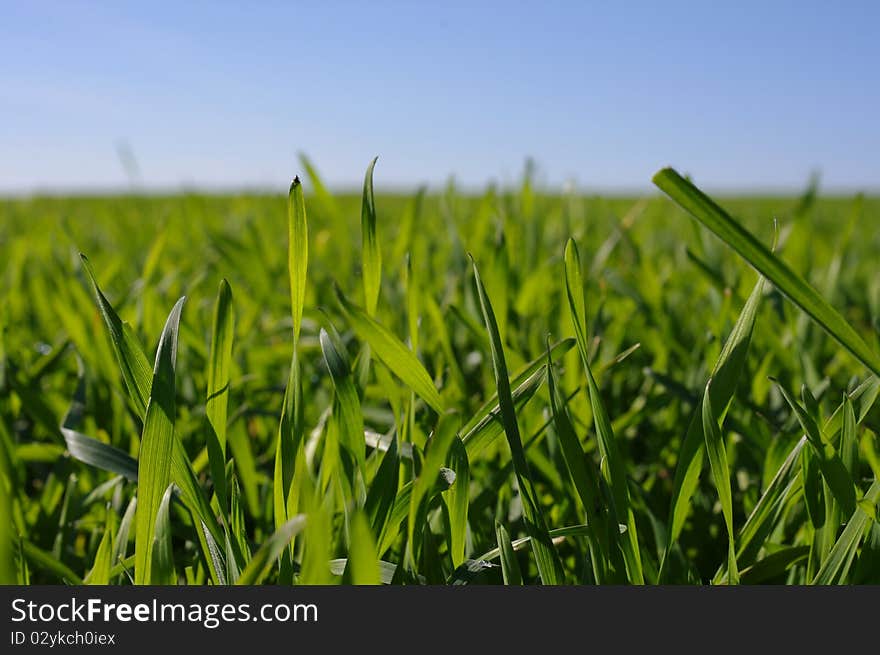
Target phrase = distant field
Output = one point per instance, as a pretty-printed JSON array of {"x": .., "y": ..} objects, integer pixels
[{"x": 381, "y": 451}]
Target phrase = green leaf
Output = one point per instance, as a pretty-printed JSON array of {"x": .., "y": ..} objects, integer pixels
[
  {"x": 363, "y": 562},
  {"x": 705, "y": 210},
  {"x": 100, "y": 572},
  {"x": 509, "y": 564},
  {"x": 549, "y": 566},
  {"x": 372, "y": 258},
  {"x": 222, "y": 332},
  {"x": 393, "y": 353},
  {"x": 721, "y": 476},
  {"x": 162, "y": 570},
  {"x": 154, "y": 460},
  {"x": 611, "y": 456},
  {"x": 297, "y": 252}
]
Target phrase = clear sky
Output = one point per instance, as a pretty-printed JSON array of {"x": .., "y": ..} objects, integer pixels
[{"x": 741, "y": 95}]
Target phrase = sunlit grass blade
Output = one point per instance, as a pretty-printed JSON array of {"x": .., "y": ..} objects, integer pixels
[
  {"x": 262, "y": 560},
  {"x": 370, "y": 253},
  {"x": 363, "y": 562},
  {"x": 219, "y": 364},
  {"x": 718, "y": 465},
  {"x": 509, "y": 564},
  {"x": 549, "y": 566},
  {"x": 103, "y": 562},
  {"x": 162, "y": 569},
  {"x": 393, "y": 353},
  {"x": 710, "y": 214},
  {"x": 297, "y": 252},
  {"x": 154, "y": 459},
  {"x": 613, "y": 460}
]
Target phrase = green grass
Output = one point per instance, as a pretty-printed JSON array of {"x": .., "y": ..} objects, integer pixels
[{"x": 444, "y": 388}]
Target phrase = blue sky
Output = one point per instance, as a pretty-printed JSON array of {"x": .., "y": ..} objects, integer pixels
[{"x": 216, "y": 94}]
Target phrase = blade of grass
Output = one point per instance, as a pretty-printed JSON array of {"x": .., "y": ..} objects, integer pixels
[
  {"x": 363, "y": 562},
  {"x": 371, "y": 255},
  {"x": 721, "y": 476},
  {"x": 222, "y": 332},
  {"x": 393, "y": 353},
  {"x": 456, "y": 498},
  {"x": 509, "y": 564},
  {"x": 162, "y": 569},
  {"x": 710, "y": 214},
  {"x": 549, "y": 566},
  {"x": 154, "y": 460},
  {"x": 611, "y": 456}
]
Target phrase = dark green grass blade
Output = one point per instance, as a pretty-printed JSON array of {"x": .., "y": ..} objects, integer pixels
[
  {"x": 371, "y": 256},
  {"x": 394, "y": 354},
  {"x": 549, "y": 566},
  {"x": 616, "y": 468},
  {"x": 154, "y": 459},
  {"x": 718, "y": 465},
  {"x": 705, "y": 210},
  {"x": 509, "y": 564},
  {"x": 297, "y": 252},
  {"x": 219, "y": 364}
]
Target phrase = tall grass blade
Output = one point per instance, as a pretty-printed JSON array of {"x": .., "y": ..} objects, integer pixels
[
  {"x": 549, "y": 566},
  {"x": 154, "y": 460},
  {"x": 710, "y": 214}
]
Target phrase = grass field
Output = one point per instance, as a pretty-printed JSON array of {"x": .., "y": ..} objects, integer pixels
[{"x": 607, "y": 392}]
